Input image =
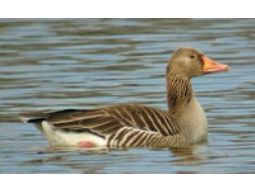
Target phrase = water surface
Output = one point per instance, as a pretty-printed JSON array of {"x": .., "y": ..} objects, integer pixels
[{"x": 84, "y": 63}]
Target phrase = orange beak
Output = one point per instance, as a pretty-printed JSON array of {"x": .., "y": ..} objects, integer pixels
[{"x": 211, "y": 66}]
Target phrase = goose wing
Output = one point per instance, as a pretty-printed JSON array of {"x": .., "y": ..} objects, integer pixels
[
  {"x": 109, "y": 120},
  {"x": 121, "y": 125}
]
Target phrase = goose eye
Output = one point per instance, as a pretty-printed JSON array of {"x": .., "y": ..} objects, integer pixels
[{"x": 192, "y": 56}]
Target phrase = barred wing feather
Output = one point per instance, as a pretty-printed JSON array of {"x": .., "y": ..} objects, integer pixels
[
  {"x": 109, "y": 120},
  {"x": 120, "y": 125}
]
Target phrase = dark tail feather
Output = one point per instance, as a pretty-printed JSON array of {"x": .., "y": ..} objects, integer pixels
[
  {"x": 35, "y": 120},
  {"x": 34, "y": 117},
  {"x": 39, "y": 116}
]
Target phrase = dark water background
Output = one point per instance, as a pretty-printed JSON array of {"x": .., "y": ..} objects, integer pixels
[{"x": 83, "y": 63}]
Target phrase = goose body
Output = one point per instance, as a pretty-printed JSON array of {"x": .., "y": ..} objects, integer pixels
[{"x": 131, "y": 125}]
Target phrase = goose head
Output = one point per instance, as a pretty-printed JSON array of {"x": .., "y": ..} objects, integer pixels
[{"x": 191, "y": 62}]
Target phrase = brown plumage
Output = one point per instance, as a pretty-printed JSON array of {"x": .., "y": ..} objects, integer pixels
[{"x": 129, "y": 125}]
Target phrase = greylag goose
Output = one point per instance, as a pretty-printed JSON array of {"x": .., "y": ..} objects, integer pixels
[{"x": 131, "y": 125}]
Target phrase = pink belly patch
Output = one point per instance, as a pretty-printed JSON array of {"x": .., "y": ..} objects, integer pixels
[{"x": 86, "y": 144}]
